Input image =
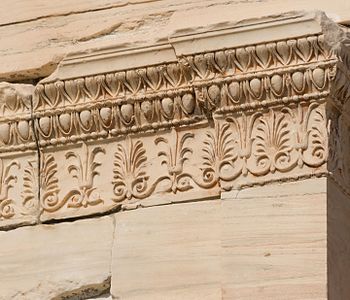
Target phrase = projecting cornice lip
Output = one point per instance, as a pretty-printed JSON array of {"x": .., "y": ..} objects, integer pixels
[
  {"x": 156, "y": 125},
  {"x": 110, "y": 60},
  {"x": 187, "y": 42},
  {"x": 253, "y": 32}
]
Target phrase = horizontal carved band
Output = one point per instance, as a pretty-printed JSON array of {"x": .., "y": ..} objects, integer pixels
[
  {"x": 176, "y": 130},
  {"x": 190, "y": 69},
  {"x": 174, "y": 94}
]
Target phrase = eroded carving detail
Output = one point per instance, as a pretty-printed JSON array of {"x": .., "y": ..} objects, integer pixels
[
  {"x": 6, "y": 182},
  {"x": 49, "y": 184},
  {"x": 30, "y": 188},
  {"x": 130, "y": 177},
  {"x": 84, "y": 169},
  {"x": 183, "y": 93},
  {"x": 272, "y": 144},
  {"x": 173, "y": 157},
  {"x": 219, "y": 156}
]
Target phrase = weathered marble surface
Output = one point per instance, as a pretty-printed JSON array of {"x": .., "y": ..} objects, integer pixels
[
  {"x": 274, "y": 241},
  {"x": 48, "y": 261},
  {"x": 214, "y": 108},
  {"x": 168, "y": 252},
  {"x": 223, "y": 98},
  {"x": 267, "y": 242},
  {"x": 40, "y": 33}
]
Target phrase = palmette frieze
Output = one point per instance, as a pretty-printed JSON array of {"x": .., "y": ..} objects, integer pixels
[
  {"x": 18, "y": 189},
  {"x": 240, "y": 149},
  {"x": 176, "y": 131}
]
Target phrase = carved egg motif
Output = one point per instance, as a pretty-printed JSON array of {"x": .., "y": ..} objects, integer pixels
[
  {"x": 51, "y": 92},
  {"x": 214, "y": 93},
  {"x": 5, "y": 133},
  {"x": 11, "y": 101},
  {"x": 188, "y": 103},
  {"x": 304, "y": 48},
  {"x": 283, "y": 50},
  {"x": 201, "y": 64},
  {"x": 23, "y": 129},
  {"x": 127, "y": 110},
  {"x": 277, "y": 83},
  {"x": 106, "y": 115},
  {"x": 298, "y": 80},
  {"x": 45, "y": 125},
  {"x": 64, "y": 120},
  {"x": 112, "y": 85},
  {"x": 147, "y": 110},
  {"x": 85, "y": 118},
  {"x": 168, "y": 106},
  {"x": 233, "y": 89},
  {"x": 71, "y": 90},
  {"x": 255, "y": 86},
  {"x": 242, "y": 57},
  {"x": 262, "y": 53},
  {"x": 92, "y": 86},
  {"x": 319, "y": 77},
  {"x": 133, "y": 80},
  {"x": 221, "y": 60}
]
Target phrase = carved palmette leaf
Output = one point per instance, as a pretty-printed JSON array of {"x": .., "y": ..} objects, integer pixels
[
  {"x": 7, "y": 178},
  {"x": 49, "y": 180},
  {"x": 209, "y": 156},
  {"x": 75, "y": 169},
  {"x": 92, "y": 164},
  {"x": 84, "y": 167},
  {"x": 272, "y": 144},
  {"x": 219, "y": 155},
  {"x": 316, "y": 153},
  {"x": 130, "y": 179},
  {"x": 30, "y": 186},
  {"x": 7, "y": 210},
  {"x": 49, "y": 184},
  {"x": 174, "y": 153}
]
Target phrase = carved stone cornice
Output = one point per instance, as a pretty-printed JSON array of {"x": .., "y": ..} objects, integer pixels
[
  {"x": 184, "y": 92},
  {"x": 181, "y": 121}
]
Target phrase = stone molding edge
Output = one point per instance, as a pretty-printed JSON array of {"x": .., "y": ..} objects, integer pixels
[
  {"x": 179, "y": 93},
  {"x": 257, "y": 114}
]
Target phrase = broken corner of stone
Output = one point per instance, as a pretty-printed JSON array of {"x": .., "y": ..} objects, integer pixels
[{"x": 212, "y": 166}]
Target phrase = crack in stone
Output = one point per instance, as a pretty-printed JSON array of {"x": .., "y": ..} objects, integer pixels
[
  {"x": 78, "y": 12},
  {"x": 36, "y": 140}
]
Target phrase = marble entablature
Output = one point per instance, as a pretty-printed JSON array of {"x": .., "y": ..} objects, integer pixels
[{"x": 208, "y": 111}]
